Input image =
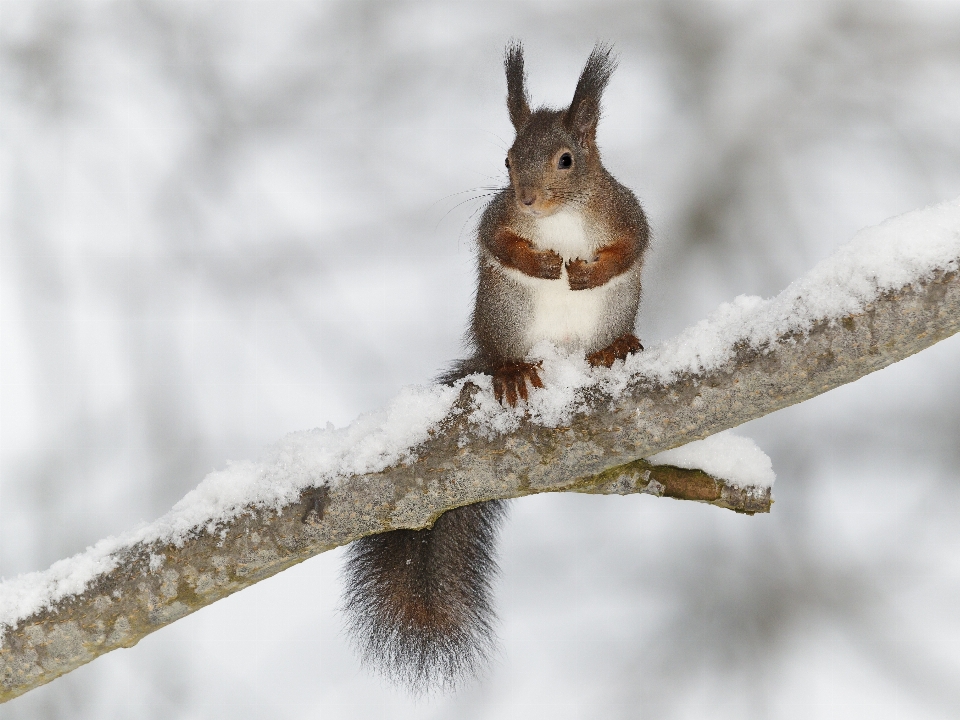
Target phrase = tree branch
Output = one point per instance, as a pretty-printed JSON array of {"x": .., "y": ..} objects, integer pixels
[{"x": 153, "y": 584}]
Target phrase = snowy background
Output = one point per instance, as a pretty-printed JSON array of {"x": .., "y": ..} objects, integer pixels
[{"x": 222, "y": 222}]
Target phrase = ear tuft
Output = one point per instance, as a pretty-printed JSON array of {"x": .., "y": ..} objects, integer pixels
[
  {"x": 583, "y": 114},
  {"x": 518, "y": 102}
]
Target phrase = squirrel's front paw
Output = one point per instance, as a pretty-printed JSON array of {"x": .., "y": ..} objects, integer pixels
[
  {"x": 510, "y": 381},
  {"x": 580, "y": 274},
  {"x": 617, "y": 350},
  {"x": 549, "y": 265}
]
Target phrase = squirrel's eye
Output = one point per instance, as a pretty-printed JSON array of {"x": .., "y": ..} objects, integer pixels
[
  {"x": 506, "y": 161},
  {"x": 566, "y": 160}
]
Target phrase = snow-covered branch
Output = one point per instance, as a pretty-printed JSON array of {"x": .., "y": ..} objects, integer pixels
[{"x": 892, "y": 291}]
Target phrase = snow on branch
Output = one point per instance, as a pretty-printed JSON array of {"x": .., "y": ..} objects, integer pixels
[{"x": 891, "y": 292}]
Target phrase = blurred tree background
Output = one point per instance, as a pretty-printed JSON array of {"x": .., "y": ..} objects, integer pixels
[{"x": 224, "y": 221}]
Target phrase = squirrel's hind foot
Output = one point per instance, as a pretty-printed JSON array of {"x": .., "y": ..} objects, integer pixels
[
  {"x": 510, "y": 381},
  {"x": 617, "y": 350}
]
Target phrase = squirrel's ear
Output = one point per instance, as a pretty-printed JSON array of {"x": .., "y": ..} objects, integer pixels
[
  {"x": 583, "y": 114},
  {"x": 518, "y": 103},
  {"x": 582, "y": 121}
]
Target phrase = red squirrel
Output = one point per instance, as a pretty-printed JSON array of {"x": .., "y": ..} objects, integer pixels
[{"x": 560, "y": 255}]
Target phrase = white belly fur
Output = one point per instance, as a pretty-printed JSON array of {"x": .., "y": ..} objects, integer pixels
[{"x": 568, "y": 318}]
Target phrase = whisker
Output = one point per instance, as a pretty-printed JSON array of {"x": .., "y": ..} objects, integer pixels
[
  {"x": 503, "y": 143},
  {"x": 485, "y": 188},
  {"x": 471, "y": 217},
  {"x": 494, "y": 178},
  {"x": 463, "y": 202}
]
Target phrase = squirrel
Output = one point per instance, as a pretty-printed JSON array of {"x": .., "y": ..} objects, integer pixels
[{"x": 560, "y": 256}]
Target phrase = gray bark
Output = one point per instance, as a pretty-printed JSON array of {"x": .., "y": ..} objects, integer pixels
[{"x": 599, "y": 452}]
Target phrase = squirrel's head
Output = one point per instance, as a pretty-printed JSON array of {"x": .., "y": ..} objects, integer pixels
[{"x": 555, "y": 151}]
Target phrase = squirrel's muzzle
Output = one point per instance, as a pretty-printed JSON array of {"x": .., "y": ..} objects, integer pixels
[{"x": 526, "y": 195}]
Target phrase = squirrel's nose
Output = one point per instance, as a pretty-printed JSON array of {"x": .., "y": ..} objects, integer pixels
[{"x": 528, "y": 196}]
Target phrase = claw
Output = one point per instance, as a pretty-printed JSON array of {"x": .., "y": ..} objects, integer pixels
[
  {"x": 617, "y": 350},
  {"x": 510, "y": 382}
]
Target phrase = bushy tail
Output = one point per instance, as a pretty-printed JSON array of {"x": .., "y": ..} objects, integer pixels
[{"x": 418, "y": 601}]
